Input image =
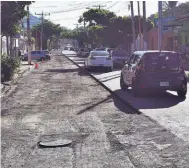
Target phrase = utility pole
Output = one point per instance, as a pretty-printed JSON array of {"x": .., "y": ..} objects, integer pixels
[
  {"x": 133, "y": 26},
  {"x": 99, "y": 6},
  {"x": 139, "y": 24},
  {"x": 29, "y": 36},
  {"x": 160, "y": 25},
  {"x": 144, "y": 24},
  {"x": 42, "y": 15}
]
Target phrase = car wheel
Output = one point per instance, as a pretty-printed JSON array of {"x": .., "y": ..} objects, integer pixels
[
  {"x": 122, "y": 84},
  {"x": 182, "y": 92},
  {"x": 42, "y": 59}
]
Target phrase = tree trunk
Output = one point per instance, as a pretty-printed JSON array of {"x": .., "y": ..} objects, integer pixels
[
  {"x": 7, "y": 43},
  {"x": 1, "y": 43},
  {"x": 11, "y": 47}
]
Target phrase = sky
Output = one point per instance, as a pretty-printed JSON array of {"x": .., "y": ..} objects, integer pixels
[{"x": 68, "y": 12}]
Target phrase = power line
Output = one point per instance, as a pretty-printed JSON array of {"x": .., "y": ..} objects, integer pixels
[
  {"x": 72, "y": 9},
  {"x": 113, "y": 5},
  {"x": 75, "y": 9}
]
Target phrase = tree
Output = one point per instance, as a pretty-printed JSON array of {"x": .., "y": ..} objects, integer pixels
[
  {"x": 109, "y": 29},
  {"x": 101, "y": 17},
  {"x": 11, "y": 13},
  {"x": 49, "y": 30}
]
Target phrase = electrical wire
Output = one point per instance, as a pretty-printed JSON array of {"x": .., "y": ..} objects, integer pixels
[
  {"x": 74, "y": 9},
  {"x": 113, "y": 5}
]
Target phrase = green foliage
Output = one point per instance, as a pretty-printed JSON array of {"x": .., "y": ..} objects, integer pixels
[
  {"x": 50, "y": 30},
  {"x": 11, "y": 13},
  {"x": 109, "y": 29},
  {"x": 9, "y": 66},
  {"x": 99, "y": 16}
]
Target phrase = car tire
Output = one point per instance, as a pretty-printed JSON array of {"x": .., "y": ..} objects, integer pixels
[
  {"x": 25, "y": 59},
  {"x": 110, "y": 69},
  {"x": 42, "y": 59},
  {"x": 182, "y": 92},
  {"x": 122, "y": 84}
]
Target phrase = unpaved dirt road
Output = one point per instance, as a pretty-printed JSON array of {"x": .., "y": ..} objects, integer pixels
[{"x": 59, "y": 101}]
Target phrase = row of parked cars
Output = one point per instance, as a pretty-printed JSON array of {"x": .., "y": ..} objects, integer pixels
[
  {"x": 38, "y": 55},
  {"x": 116, "y": 57},
  {"x": 144, "y": 71}
]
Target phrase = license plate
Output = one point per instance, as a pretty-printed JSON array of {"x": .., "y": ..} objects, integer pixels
[{"x": 164, "y": 83}]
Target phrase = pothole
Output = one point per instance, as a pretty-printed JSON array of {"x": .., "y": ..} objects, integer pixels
[{"x": 55, "y": 143}]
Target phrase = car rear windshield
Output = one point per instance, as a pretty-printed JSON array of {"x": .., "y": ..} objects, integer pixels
[
  {"x": 46, "y": 52},
  {"x": 100, "y": 49},
  {"x": 99, "y": 53},
  {"x": 162, "y": 61},
  {"x": 119, "y": 53}
]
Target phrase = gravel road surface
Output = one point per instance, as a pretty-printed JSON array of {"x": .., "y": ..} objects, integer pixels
[{"x": 82, "y": 125}]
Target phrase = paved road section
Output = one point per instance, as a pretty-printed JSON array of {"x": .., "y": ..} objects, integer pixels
[
  {"x": 59, "y": 104},
  {"x": 167, "y": 109}
]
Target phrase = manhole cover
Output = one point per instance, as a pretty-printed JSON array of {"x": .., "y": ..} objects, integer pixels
[{"x": 55, "y": 143}]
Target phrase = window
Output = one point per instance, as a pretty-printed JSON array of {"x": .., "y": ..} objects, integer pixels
[
  {"x": 39, "y": 52},
  {"x": 163, "y": 61},
  {"x": 33, "y": 52},
  {"x": 119, "y": 53},
  {"x": 99, "y": 53},
  {"x": 132, "y": 59},
  {"x": 136, "y": 59}
]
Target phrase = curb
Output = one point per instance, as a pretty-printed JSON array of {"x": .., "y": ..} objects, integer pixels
[{"x": 108, "y": 89}]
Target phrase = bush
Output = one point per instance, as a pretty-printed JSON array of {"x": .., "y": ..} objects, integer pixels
[{"x": 9, "y": 66}]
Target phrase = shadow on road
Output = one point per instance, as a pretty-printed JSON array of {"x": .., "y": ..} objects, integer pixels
[
  {"x": 93, "y": 105},
  {"x": 150, "y": 100},
  {"x": 62, "y": 70},
  {"x": 83, "y": 73},
  {"x": 123, "y": 107}
]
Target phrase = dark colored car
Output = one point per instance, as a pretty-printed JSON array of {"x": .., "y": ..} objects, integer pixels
[
  {"x": 154, "y": 71},
  {"x": 66, "y": 48},
  {"x": 109, "y": 49},
  {"x": 119, "y": 57},
  {"x": 47, "y": 54},
  {"x": 100, "y": 49}
]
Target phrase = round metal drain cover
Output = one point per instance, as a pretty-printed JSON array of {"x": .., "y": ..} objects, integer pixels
[{"x": 55, "y": 143}]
